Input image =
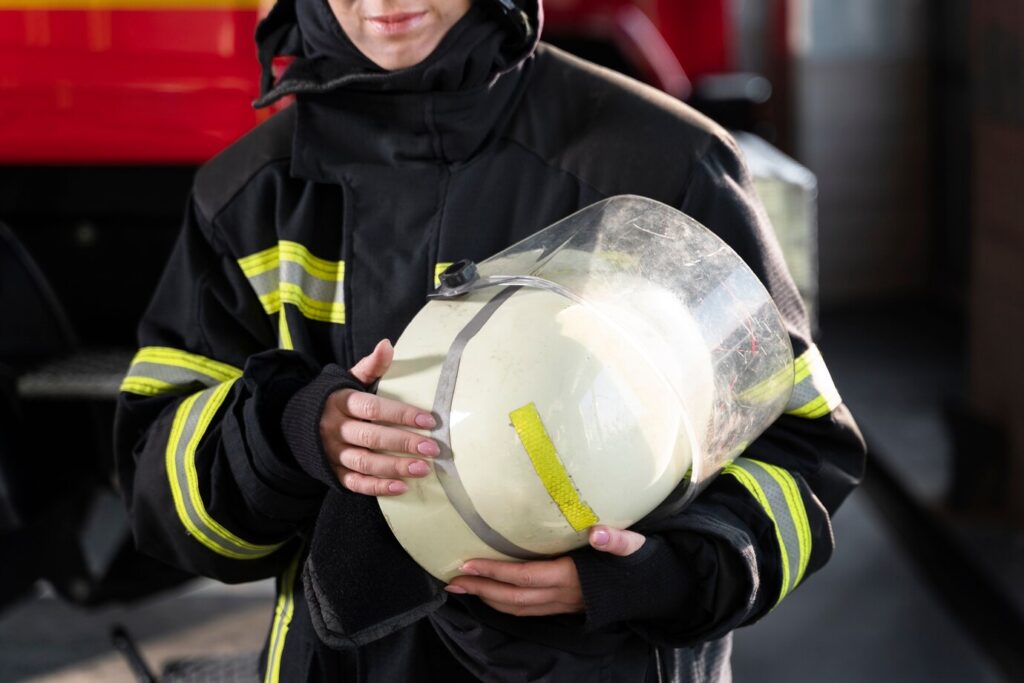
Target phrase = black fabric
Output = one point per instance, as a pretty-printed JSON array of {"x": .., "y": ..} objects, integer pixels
[
  {"x": 414, "y": 653},
  {"x": 276, "y": 35},
  {"x": 458, "y": 162},
  {"x": 300, "y": 421},
  {"x": 649, "y": 584},
  {"x": 496, "y": 647},
  {"x": 359, "y": 597},
  {"x": 329, "y": 63}
]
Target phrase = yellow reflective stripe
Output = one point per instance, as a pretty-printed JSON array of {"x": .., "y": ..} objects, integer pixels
[
  {"x": 271, "y": 302},
  {"x": 163, "y": 355},
  {"x": 177, "y": 427},
  {"x": 159, "y": 370},
  {"x": 802, "y": 366},
  {"x": 549, "y": 467},
  {"x": 814, "y": 394},
  {"x": 333, "y": 271},
  {"x": 146, "y": 386},
  {"x": 219, "y": 393},
  {"x": 326, "y": 311},
  {"x": 283, "y": 333},
  {"x": 438, "y": 269},
  {"x": 282, "y": 619},
  {"x": 276, "y": 281},
  {"x": 749, "y": 483},
  {"x": 191, "y": 421},
  {"x": 797, "y": 512},
  {"x": 815, "y": 408},
  {"x": 769, "y": 389},
  {"x": 260, "y": 262},
  {"x": 268, "y": 259}
]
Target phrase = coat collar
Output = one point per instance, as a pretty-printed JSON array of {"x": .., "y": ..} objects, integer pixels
[{"x": 442, "y": 110}]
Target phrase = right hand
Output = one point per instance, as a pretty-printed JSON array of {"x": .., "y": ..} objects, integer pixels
[{"x": 356, "y": 425}]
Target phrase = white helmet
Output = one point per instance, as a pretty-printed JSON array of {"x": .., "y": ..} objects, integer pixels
[{"x": 615, "y": 360}]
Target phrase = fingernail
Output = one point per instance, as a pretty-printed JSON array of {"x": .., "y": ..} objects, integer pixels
[
  {"x": 469, "y": 569},
  {"x": 428, "y": 448},
  {"x": 600, "y": 537},
  {"x": 419, "y": 468},
  {"x": 397, "y": 487},
  {"x": 458, "y": 590},
  {"x": 426, "y": 421}
]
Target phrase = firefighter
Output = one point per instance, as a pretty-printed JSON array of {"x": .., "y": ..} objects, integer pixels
[{"x": 249, "y": 439}]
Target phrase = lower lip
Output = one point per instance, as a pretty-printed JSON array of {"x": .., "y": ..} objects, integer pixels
[{"x": 397, "y": 23}]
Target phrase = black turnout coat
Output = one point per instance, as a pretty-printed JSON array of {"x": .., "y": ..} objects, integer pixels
[{"x": 320, "y": 233}]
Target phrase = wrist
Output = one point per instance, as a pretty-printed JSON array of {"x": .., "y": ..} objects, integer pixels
[
  {"x": 300, "y": 421},
  {"x": 651, "y": 583}
]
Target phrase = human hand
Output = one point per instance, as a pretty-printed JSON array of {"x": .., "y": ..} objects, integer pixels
[
  {"x": 354, "y": 426},
  {"x": 529, "y": 589}
]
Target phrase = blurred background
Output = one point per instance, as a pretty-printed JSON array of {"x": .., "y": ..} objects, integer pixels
[{"x": 886, "y": 138}]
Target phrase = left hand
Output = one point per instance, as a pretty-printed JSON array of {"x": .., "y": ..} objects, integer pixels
[{"x": 530, "y": 589}]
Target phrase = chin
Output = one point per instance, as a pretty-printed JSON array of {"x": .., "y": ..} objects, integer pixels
[{"x": 404, "y": 58}]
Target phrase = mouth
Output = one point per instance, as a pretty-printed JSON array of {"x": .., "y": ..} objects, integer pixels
[{"x": 397, "y": 23}]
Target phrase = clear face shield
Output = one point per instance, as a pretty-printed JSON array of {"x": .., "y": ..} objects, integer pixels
[{"x": 603, "y": 370}]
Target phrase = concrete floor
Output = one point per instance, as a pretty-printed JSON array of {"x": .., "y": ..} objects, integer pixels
[{"x": 865, "y": 617}]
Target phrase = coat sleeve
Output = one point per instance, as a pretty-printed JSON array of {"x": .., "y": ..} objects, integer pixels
[
  {"x": 763, "y": 525},
  {"x": 210, "y": 482}
]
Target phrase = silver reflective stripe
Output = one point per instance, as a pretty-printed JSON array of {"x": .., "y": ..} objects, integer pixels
[
  {"x": 265, "y": 282},
  {"x": 193, "y": 417},
  {"x": 814, "y": 393},
  {"x": 158, "y": 370},
  {"x": 444, "y": 464},
  {"x": 313, "y": 287},
  {"x": 172, "y": 374},
  {"x": 776, "y": 490},
  {"x": 783, "y": 519}
]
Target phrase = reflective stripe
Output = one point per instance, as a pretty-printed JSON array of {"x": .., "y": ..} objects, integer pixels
[
  {"x": 289, "y": 274},
  {"x": 260, "y": 262},
  {"x": 284, "y": 334},
  {"x": 146, "y": 386},
  {"x": 191, "y": 421},
  {"x": 438, "y": 269},
  {"x": 814, "y": 393},
  {"x": 776, "y": 491},
  {"x": 282, "y": 619},
  {"x": 444, "y": 464},
  {"x": 549, "y": 467},
  {"x": 158, "y": 370}
]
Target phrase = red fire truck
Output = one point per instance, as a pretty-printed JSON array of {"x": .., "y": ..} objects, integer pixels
[{"x": 170, "y": 81}]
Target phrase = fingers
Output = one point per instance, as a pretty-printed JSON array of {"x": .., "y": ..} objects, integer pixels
[
  {"x": 371, "y": 368},
  {"x": 370, "y": 486},
  {"x": 362, "y": 461},
  {"x": 522, "y": 589},
  {"x": 515, "y": 600},
  {"x": 380, "y": 438},
  {"x": 621, "y": 542},
  {"x": 376, "y": 474},
  {"x": 559, "y": 572},
  {"x": 366, "y": 406}
]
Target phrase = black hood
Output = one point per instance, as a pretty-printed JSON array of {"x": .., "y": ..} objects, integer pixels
[{"x": 492, "y": 38}]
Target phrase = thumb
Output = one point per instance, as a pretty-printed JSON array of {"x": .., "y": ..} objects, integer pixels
[
  {"x": 372, "y": 367},
  {"x": 621, "y": 542}
]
